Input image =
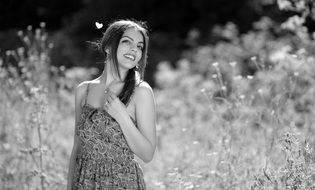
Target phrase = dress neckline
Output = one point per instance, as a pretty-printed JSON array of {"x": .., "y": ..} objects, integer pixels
[{"x": 103, "y": 110}]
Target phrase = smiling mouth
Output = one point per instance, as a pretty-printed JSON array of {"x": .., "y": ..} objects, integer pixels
[{"x": 131, "y": 57}]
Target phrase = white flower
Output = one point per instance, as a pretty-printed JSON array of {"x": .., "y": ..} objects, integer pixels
[
  {"x": 233, "y": 64},
  {"x": 215, "y": 64},
  {"x": 250, "y": 77},
  {"x": 238, "y": 77}
]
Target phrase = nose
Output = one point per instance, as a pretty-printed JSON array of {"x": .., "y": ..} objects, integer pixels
[{"x": 133, "y": 47}]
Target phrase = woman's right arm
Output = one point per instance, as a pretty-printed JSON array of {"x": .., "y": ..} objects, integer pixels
[{"x": 79, "y": 96}]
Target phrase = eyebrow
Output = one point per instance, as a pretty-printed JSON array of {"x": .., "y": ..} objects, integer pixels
[{"x": 131, "y": 39}]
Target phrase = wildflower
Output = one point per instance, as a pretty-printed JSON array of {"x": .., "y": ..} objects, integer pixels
[
  {"x": 6, "y": 146},
  {"x": 212, "y": 154},
  {"x": 195, "y": 142},
  {"x": 37, "y": 32},
  {"x": 250, "y": 77},
  {"x": 29, "y": 27},
  {"x": 34, "y": 90},
  {"x": 20, "y": 33},
  {"x": 215, "y": 64},
  {"x": 20, "y": 51},
  {"x": 242, "y": 96},
  {"x": 8, "y": 53},
  {"x": 62, "y": 68},
  {"x": 233, "y": 64},
  {"x": 238, "y": 77},
  {"x": 195, "y": 175},
  {"x": 214, "y": 76},
  {"x": 42, "y": 24},
  {"x": 272, "y": 112},
  {"x": 50, "y": 45},
  {"x": 27, "y": 40},
  {"x": 254, "y": 58}
]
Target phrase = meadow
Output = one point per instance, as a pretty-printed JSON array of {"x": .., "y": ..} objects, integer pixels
[{"x": 234, "y": 115}]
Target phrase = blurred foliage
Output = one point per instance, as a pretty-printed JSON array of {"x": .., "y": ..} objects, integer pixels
[
  {"x": 172, "y": 23},
  {"x": 305, "y": 14},
  {"x": 241, "y": 129}
]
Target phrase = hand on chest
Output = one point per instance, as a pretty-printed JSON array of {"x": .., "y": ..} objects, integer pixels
[{"x": 99, "y": 95}]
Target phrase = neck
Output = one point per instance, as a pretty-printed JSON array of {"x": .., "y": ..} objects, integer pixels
[{"x": 109, "y": 75}]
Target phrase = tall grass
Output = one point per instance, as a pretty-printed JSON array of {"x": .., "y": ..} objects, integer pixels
[{"x": 27, "y": 150}]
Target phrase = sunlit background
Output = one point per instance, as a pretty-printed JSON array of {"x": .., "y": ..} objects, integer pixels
[{"x": 234, "y": 83}]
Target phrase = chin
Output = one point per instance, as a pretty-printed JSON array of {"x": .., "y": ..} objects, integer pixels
[
  {"x": 128, "y": 67},
  {"x": 131, "y": 66}
]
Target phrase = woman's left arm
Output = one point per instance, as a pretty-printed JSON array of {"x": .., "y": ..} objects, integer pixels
[{"x": 141, "y": 140}]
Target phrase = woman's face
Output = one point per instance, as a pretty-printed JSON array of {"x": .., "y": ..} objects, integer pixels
[{"x": 130, "y": 48}]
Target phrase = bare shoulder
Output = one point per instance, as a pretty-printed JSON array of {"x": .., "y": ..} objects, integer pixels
[
  {"x": 143, "y": 91},
  {"x": 80, "y": 91},
  {"x": 81, "y": 88}
]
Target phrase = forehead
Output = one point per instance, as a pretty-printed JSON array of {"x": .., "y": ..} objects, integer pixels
[{"x": 134, "y": 34}]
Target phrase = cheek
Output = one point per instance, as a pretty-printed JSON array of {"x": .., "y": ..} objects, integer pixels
[
  {"x": 120, "y": 48},
  {"x": 139, "y": 55}
]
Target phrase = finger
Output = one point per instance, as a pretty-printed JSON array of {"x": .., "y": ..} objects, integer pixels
[
  {"x": 106, "y": 102},
  {"x": 109, "y": 98},
  {"x": 106, "y": 105},
  {"x": 106, "y": 93},
  {"x": 113, "y": 96},
  {"x": 109, "y": 92}
]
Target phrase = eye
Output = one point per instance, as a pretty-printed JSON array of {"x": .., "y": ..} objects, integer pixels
[
  {"x": 125, "y": 41},
  {"x": 140, "y": 47}
]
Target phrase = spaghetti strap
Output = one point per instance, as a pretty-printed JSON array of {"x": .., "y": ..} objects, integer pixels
[{"x": 87, "y": 93}]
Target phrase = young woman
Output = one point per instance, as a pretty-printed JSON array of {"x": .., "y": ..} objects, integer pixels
[{"x": 115, "y": 115}]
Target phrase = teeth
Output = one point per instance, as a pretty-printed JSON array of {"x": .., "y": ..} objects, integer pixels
[{"x": 130, "y": 57}]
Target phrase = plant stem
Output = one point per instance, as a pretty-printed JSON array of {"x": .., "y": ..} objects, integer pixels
[{"x": 40, "y": 156}]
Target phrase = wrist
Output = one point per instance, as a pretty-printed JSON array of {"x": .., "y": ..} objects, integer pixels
[{"x": 123, "y": 118}]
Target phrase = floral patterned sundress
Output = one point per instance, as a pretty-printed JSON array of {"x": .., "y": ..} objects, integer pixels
[{"x": 104, "y": 161}]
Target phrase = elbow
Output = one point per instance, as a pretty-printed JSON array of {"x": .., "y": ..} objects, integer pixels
[{"x": 148, "y": 157}]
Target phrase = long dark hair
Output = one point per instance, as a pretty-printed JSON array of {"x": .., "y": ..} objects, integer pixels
[{"x": 110, "y": 41}]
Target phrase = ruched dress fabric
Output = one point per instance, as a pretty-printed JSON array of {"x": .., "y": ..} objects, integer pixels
[{"x": 104, "y": 161}]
